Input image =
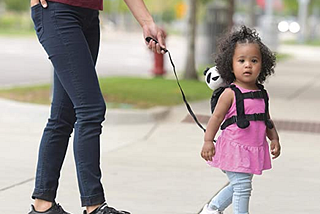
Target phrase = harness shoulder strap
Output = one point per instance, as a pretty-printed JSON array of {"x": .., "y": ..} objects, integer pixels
[
  {"x": 241, "y": 120},
  {"x": 266, "y": 111},
  {"x": 215, "y": 96}
]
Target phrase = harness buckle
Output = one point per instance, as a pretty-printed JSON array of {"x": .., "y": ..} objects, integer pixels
[{"x": 252, "y": 94}]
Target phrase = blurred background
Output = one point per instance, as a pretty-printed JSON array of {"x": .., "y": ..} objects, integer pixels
[
  {"x": 192, "y": 28},
  {"x": 277, "y": 21}
]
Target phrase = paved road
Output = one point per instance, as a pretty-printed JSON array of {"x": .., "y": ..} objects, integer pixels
[{"x": 23, "y": 61}]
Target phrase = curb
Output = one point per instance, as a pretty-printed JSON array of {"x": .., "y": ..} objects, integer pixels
[
  {"x": 113, "y": 116},
  {"x": 136, "y": 116}
]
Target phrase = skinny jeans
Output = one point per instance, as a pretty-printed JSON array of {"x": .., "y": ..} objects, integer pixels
[
  {"x": 70, "y": 36},
  {"x": 238, "y": 193}
]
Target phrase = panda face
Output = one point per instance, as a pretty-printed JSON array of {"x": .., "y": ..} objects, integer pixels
[{"x": 213, "y": 78}]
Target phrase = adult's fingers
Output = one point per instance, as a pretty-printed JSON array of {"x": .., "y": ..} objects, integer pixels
[
  {"x": 161, "y": 39},
  {"x": 44, "y": 3}
]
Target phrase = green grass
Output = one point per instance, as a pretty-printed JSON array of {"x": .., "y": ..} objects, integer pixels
[
  {"x": 282, "y": 56},
  {"x": 39, "y": 94},
  {"x": 17, "y": 32},
  {"x": 124, "y": 92},
  {"x": 16, "y": 24},
  {"x": 309, "y": 43}
]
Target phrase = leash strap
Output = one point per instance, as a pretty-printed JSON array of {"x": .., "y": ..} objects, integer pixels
[
  {"x": 184, "y": 96},
  {"x": 148, "y": 39}
]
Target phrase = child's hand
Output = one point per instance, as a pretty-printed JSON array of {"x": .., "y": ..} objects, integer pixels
[
  {"x": 208, "y": 150},
  {"x": 275, "y": 148}
]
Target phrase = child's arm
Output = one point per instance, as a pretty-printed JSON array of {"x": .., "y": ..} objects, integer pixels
[
  {"x": 275, "y": 147},
  {"x": 221, "y": 109}
]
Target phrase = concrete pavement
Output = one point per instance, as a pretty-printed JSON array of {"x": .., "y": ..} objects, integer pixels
[{"x": 151, "y": 162}]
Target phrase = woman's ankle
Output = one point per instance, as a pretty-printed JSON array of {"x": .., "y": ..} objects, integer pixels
[
  {"x": 90, "y": 209},
  {"x": 42, "y": 205}
]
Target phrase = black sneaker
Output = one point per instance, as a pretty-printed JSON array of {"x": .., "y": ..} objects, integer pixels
[
  {"x": 104, "y": 209},
  {"x": 55, "y": 209}
]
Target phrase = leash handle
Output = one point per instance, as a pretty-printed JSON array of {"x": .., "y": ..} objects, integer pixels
[{"x": 148, "y": 39}]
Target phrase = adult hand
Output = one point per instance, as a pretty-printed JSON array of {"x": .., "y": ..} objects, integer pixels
[
  {"x": 153, "y": 31},
  {"x": 208, "y": 151},
  {"x": 275, "y": 148},
  {"x": 42, "y": 2}
]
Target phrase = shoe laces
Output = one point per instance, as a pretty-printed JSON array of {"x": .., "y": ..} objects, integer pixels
[
  {"x": 111, "y": 210},
  {"x": 60, "y": 209}
]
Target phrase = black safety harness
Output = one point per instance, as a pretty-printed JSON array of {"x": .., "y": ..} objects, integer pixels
[{"x": 243, "y": 120}]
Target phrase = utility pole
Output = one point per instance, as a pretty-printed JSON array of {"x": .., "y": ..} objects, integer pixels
[
  {"x": 269, "y": 29},
  {"x": 251, "y": 13},
  {"x": 302, "y": 17},
  {"x": 269, "y": 9}
]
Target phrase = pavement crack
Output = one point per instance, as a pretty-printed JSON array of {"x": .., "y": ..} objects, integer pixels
[
  {"x": 17, "y": 184},
  {"x": 304, "y": 88},
  {"x": 151, "y": 131}
]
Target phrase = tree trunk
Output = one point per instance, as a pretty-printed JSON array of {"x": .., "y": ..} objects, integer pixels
[
  {"x": 231, "y": 12},
  {"x": 190, "y": 69}
]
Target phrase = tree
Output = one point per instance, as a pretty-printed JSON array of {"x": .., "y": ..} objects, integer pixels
[
  {"x": 190, "y": 68},
  {"x": 291, "y": 7},
  {"x": 231, "y": 9}
]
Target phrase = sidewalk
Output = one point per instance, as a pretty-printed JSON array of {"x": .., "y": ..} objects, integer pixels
[{"x": 152, "y": 163}]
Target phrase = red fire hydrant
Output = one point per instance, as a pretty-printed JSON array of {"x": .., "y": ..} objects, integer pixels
[{"x": 158, "y": 68}]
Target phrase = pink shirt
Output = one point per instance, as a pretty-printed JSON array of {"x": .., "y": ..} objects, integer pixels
[
  {"x": 243, "y": 150},
  {"x": 91, "y": 4}
]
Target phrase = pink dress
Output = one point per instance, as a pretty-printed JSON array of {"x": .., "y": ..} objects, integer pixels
[{"x": 243, "y": 150}]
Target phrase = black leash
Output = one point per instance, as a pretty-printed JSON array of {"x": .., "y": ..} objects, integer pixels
[{"x": 148, "y": 39}]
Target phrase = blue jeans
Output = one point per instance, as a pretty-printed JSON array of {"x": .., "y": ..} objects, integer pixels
[
  {"x": 238, "y": 193},
  {"x": 71, "y": 36}
]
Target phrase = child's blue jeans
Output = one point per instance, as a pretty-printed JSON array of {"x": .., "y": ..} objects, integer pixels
[
  {"x": 71, "y": 36},
  {"x": 238, "y": 193}
]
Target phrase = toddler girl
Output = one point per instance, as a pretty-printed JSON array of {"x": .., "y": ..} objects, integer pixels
[{"x": 241, "y": 150}]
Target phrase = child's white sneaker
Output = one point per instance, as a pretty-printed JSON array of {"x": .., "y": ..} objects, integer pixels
[{"x": 206, "y": 210}]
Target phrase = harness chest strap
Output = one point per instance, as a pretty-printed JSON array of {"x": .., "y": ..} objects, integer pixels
[{"x": 242, "y": 119}]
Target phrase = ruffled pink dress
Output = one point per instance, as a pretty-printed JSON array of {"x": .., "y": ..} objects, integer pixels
[{"x": 243, "y": 150}]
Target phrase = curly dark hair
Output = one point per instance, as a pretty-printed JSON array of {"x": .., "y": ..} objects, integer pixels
[{"x": 226, "y": 49}]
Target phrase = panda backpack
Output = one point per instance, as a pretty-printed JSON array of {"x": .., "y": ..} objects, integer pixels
[{"x": 215, "y": 83}]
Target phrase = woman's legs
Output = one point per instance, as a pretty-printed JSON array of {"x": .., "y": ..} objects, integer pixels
[
  {"x": 77, "y": 101},
  {"x": 53, "y": 146}
]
